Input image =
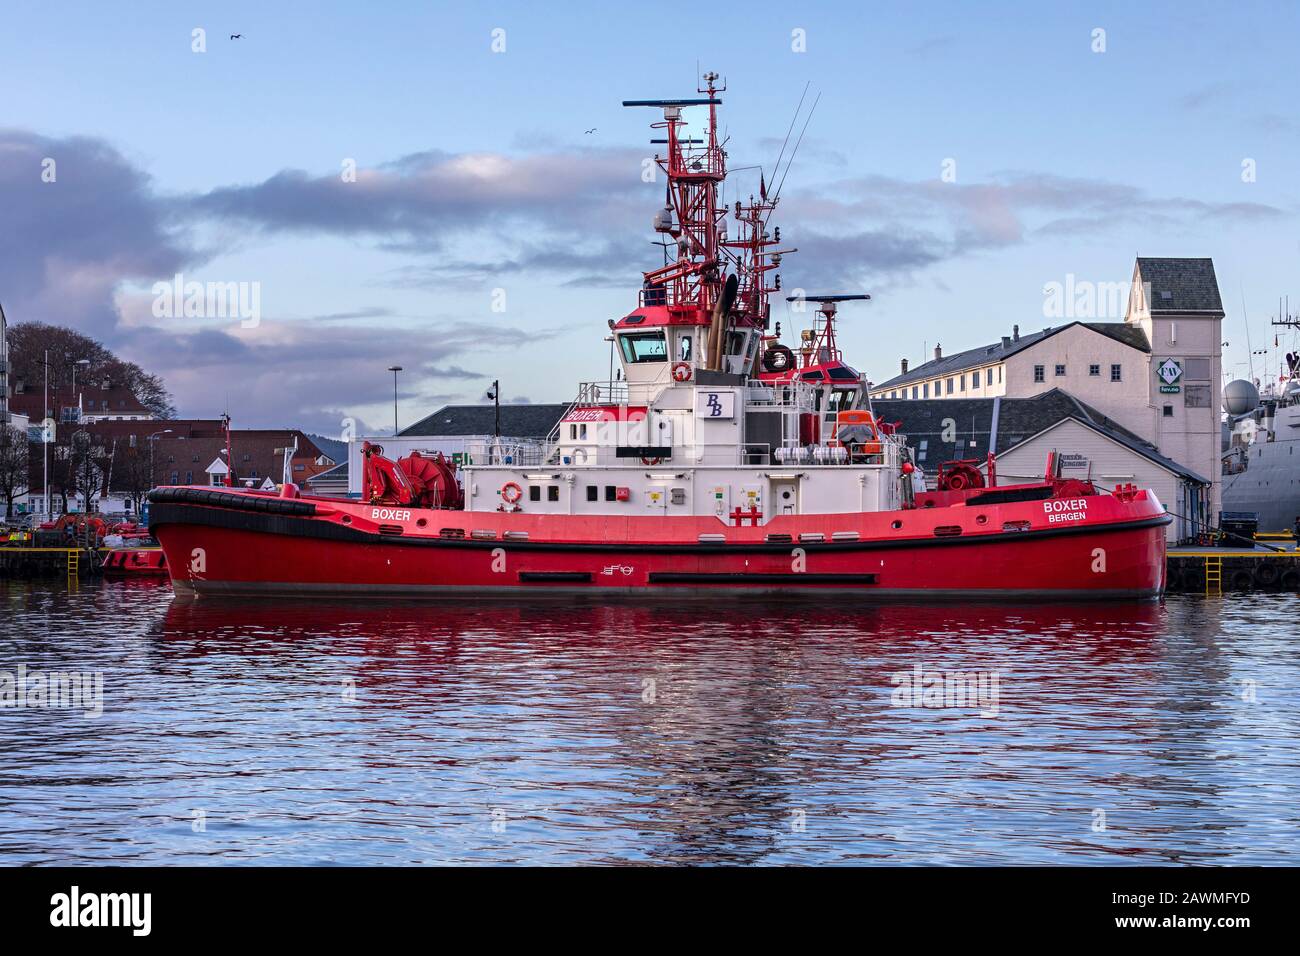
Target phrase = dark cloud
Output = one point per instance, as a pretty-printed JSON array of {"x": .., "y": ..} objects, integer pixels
[{"x": 66, "y": 245}]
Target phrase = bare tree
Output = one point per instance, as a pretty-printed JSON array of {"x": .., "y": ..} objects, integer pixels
[
  {"x": 131, "y": 472},
  {"x": 87, "y": 469},
  {"x": 14, "y": 463}
]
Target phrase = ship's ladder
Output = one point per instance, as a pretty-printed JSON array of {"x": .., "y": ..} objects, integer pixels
[{"x": 1214, "y": 576}]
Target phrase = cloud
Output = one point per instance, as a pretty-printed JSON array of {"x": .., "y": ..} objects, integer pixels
[
  {"x": 72, "y": 251},
  {"x": 918, "y": 224},
  {"x": 66, "y": 245}
]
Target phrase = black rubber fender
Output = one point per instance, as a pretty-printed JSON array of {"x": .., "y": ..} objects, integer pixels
[{"x": 1266, "y": 574}]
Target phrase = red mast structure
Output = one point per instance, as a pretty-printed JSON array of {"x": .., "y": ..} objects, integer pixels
[{"x": 715, "y": 279}]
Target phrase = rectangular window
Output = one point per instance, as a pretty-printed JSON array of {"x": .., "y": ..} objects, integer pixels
[
  {"x": 999, "y": 374},
  {"x": 611, "y": 493},
  {"x": 961, "y": 382},
  {"x": 643, "y": 347},
  {"x": 534, "y": 492},
  {"x": 1115, "y": 375},
  {"x": 593, "y": 492},
  {"x": 988, "y": 378},
  {"x": 974, "y": 379},
  {"x": 1169, "y": 411},
  {"x": 1038, "y": 374},
  {"x": 189, "y": 477},
  {"x": 1196, "y": 369},
  {"x": 949, "y": 386},
  {"x": 1196, "y": 396},
  {"x": 552, "y": 492},
  {"x": 1094, "y": 370},
  {"x": 1060, "y": 370},
  {"x": 925, "y": 390},
  {"x": 914, "y": 391}
]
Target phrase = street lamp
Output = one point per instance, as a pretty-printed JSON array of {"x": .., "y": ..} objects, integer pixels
[
  {"x": 165, "y": 431},
  {"x": 394, "y": 369}
]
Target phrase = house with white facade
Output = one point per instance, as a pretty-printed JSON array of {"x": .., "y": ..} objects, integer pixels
[{"x": 1157, "y": 374}]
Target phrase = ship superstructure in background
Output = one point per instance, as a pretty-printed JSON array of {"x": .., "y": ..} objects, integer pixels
[
  {"x": 717, "y": 459},
  {"x": 1261, "y": 457}
]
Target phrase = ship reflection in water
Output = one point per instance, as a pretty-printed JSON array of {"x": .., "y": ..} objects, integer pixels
[{"x": 694, "y": 732}]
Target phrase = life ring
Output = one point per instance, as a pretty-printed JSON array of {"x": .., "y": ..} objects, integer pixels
[
  {"x": 651, "y": 462},
  {"x": 681, "y": 371},
  {"x": 511, "y": 492},
  {"x": 778, "y": 358},
  {"x": 1266, "y": 574}
]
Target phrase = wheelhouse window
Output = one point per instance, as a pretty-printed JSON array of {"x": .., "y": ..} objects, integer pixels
[{"x": 643, "y": 347}]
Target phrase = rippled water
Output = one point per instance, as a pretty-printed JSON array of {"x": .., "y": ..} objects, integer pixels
[{"x": 608, "y": 733}]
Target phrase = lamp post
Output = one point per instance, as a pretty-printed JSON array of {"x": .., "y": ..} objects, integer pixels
[
  {"x": 165, "y": 431},
  {"x": 394, "y": 369}
]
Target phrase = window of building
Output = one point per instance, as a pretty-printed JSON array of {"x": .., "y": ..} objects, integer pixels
[
  {"x": 1115, "y": 373},
  {"x": 950, "y": 386},
  {"x": 611, "y": 493},
  {"x": 961, "y": 383},
  {"x": 189, "y": 477},
  {"x": 999, "y": 374},
  {"x": 176, "y": 478},
  {"x": 1060, "y": 370},
  {"x": 1196, "y": 396},
  {"x": 914, "y": 391},
  {"x": 1169, "y": 411},
  {"x": 988, "y": 378},
  {"x": 1196, "y": 369},
  {"x": 925, "y": 390},
  {"x": 974, "y": 379},
  {"x": 1094, "y": 370},
  {"x": 552, "y": 492},
  {"x": 593, "y": 492},
  {"x": 534, "y": 492},
  {"x": 1039, "y": 375}
]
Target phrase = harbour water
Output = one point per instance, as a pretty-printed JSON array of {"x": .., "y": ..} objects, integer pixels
[{"x": 705, "y": 732}]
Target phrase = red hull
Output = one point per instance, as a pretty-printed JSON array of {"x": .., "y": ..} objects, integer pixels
[
  {"x": 135, "y": 563},
  {"x": 234, "y": 543}
]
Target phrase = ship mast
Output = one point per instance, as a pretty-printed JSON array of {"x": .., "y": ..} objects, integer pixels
[{"x": 694, "y": 284}]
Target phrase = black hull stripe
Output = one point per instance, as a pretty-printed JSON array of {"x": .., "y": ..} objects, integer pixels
[{"x": 168, "y": 513}]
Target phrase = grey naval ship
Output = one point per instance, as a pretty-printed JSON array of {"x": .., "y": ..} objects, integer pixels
[{"x": 1261, "y": 457}]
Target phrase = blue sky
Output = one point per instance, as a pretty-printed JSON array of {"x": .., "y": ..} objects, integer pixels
[{"x": 476, "y": 174}]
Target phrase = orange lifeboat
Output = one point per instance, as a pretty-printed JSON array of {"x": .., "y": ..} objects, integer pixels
[{"x": 861, "y": 433}]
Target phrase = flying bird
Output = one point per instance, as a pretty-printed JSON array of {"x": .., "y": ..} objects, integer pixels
[
  {"x": 590, "y": 131},
  {"x": 236, "y": 36}
]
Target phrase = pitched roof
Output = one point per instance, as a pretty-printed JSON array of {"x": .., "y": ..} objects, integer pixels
[
  {"x": 1180, "y": 285},
  {"x": 517, "y": 421},
  {"x": 1019, "y": 419},
  {"x": 1130, "y": 335}
]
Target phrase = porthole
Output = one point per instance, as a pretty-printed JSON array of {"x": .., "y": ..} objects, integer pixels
[{"x": 896, "y": 525}]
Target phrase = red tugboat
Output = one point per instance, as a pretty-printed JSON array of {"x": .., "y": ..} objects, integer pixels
[{"x": 718, "y": 461}]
